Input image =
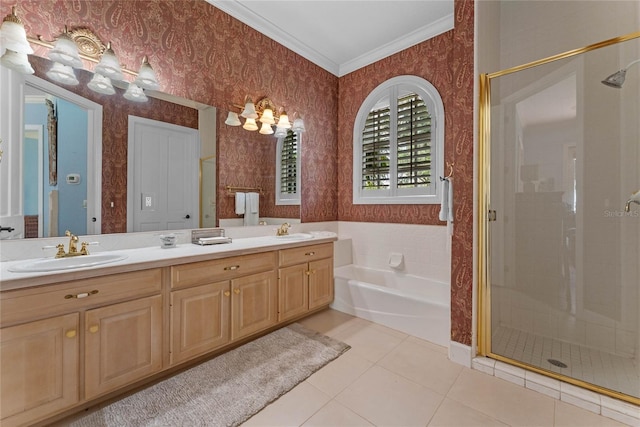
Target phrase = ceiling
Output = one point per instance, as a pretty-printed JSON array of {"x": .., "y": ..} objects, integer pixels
[{"x": 342, "y": 36}]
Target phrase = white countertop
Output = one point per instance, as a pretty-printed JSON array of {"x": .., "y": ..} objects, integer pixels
[{"x": 153, "y": 257}]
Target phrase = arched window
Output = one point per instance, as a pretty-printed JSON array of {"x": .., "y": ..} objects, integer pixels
[
  {"x": 288, "y": 169},
  {"x": 398, "y": 144}
]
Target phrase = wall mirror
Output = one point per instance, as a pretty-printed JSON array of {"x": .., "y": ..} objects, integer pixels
[{"x": 79, "y": 199}]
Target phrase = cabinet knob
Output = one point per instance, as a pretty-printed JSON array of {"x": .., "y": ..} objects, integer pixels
[
  {"x": 71, "y": 333},
  {"x": 310, "y": 272},
  {"x": 236, "y": 291},
  {"x": 227, "y": 293},
  {"x": 93, "y": 329}
]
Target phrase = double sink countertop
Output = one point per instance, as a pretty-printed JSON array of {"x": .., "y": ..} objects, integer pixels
[{"x": 151, "y": 257}]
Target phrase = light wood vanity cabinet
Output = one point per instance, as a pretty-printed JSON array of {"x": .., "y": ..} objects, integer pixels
[
  {"x": 41, "y": 360},
  {"x": 68, "y": 343},
  {"x": 42, "y": 375},
  {"x": 210, "y": 315},
  {"x": 123, "y": 343},
  {"x": 305, "y": 279}
]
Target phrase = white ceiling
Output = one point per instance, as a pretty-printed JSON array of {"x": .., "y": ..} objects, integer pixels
[{"x": 342, "y": 36}]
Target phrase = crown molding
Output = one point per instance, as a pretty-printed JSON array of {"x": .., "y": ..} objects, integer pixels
[{"x": 242, "y": 13}]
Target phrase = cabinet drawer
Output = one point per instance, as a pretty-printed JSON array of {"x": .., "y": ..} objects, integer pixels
[
  {"x": 199, "y": 273},
  {"x": 37, "y": 303},
  {"x": 305, "y": 254}
]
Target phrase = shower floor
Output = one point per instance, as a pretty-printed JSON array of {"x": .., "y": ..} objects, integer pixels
[{"x": 589, "y": 365}]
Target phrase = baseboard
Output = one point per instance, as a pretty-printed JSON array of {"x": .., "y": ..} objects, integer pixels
[{"x": 460, "y": 353}]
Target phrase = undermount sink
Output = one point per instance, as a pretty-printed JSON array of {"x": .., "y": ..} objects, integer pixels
[
  {"x": 55, "y": 264},
  {"x": 295, "y": 236}
]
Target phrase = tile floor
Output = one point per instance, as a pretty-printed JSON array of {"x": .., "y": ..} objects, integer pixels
[
  {"x": 593, "y": 366},
  {"x": 389, "y": 378}
]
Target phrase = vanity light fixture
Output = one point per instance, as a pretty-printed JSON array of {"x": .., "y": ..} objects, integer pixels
[
  {"x": 67, "y": 52},
  {"x": 263, "y": 111},
  {"x": 14, "y": 46}
]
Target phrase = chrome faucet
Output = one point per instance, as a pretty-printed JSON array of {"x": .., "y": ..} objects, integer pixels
[
  {"x": 73, "y": 247},
  {"x": 284, "y": 229},
  {"x": 635, "y": 198}
]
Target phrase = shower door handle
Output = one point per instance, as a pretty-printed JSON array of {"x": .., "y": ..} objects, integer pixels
[{"x": 492, "y": 215}]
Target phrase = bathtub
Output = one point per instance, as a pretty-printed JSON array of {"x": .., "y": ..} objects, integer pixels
[{"x": 411, "y": 304}]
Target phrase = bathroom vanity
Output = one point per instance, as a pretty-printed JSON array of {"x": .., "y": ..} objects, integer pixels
[{"x": 75, "y": 338}]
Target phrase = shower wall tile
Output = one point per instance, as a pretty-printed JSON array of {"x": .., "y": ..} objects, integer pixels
[{"x": 600, "y": 337}]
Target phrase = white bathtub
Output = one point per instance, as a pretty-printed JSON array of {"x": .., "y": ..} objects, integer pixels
[{"x": 411, "y": 304}]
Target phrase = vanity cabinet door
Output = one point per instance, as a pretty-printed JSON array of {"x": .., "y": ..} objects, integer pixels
[
  {"x": 293, "y": 292},
  {"x": 39, "y": 374},
  {"x": 199, "y": 320},
  {"x": 253, "y": 304},
  {"x": 321, "y": 285},
  {"x": 123, "y": 343}
]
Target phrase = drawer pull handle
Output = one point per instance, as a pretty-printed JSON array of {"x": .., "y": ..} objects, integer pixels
[
  {"x": 310, "y": 253},
  {"x": 227, "y": 293},
  {"x": 71, "y": 333},
  {"x": 81, "y": 295},
  {"x": 93, "y": 329},
  {"x": 236, "y": 291},
  {"x": 233, "y": 267}
]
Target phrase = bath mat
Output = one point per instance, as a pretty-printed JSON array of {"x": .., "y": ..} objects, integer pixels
[{"x": 226, "y": 390}]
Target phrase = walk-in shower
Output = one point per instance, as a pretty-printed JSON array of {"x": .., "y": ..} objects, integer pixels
[{"x": 559, "y": 229}]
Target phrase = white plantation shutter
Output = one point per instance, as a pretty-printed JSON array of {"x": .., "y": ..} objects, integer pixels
[{"x": 398, "y": 149}]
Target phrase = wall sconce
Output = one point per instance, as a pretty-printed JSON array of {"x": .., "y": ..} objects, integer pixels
[
  {"x": 263, "y": 111},
  {"x": 67, "y": 52}
]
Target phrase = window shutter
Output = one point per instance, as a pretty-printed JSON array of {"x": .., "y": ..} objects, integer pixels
[
  {"x": 288, "y": 169},
  {"x": 413, "y": 142},
  {"x": 376, "y": 145}
]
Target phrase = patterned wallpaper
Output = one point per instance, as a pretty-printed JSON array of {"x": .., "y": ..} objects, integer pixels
[
  {"x": 201, "y": 53},
  {"x": 447, "y": 62}
]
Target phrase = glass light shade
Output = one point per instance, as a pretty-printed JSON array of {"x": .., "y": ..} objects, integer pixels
[
  {"x": 13, "y": 35},
  {"x": 146, "y": 76},
  {"x": 267, "y": 116},
  {"x": 249, "y": 111},
  {"x": 250, "y": 124},
  {"x": 135, "y": 93},
  {"x": 62, "y": 74},
  {"x": 265, "y": 129},
  {"x": 232, "y": 119},
  {"x": 65, "y": 52},
  {"x": 284, "y": 122},
  {"x": 298, "y": 125},
  {"x": 17, "y": 61},
  {"x": 101, "y": 84},
  {"x": 109, "y": 65},
  {"x": 280, "y": 132}
]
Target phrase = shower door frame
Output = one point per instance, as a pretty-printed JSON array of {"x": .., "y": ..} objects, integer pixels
[{"x": 485, "y": 216}]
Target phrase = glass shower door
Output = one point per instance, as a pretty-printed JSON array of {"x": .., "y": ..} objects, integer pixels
[{"x": 564, "y": 270}]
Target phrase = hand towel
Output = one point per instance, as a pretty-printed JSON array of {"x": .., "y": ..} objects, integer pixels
[
  {"x": 450, "y": 211},
  {"x": 251, "y": 215},
  {"x": 240, "y": 202},
  {"x": 444, "y": 201}
]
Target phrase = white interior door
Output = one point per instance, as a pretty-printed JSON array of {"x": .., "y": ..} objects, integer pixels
[{"x": 162, "y": 181}]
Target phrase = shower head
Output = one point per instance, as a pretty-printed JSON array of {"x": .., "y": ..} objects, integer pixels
[{"x": 617, "y": 79}]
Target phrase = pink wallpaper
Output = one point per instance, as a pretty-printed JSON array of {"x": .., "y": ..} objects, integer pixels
[
  {"x": 447, "y": 62},
  {"x": 201, "y": 53}
]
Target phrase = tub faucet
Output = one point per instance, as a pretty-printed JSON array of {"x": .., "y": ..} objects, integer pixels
[
  {"x": 283, "y": 230},
  {"x": 635, "y": 198}
]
